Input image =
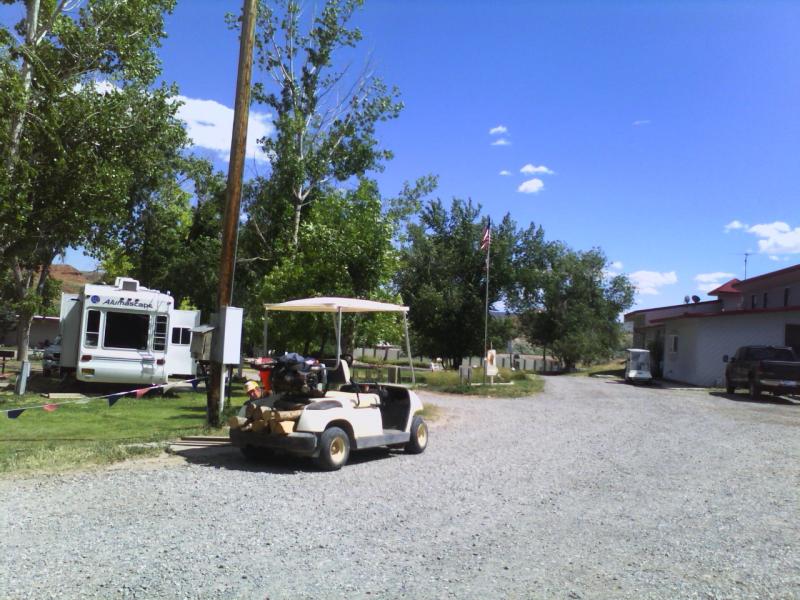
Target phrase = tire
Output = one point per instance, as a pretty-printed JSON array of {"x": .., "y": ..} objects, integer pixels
[
  {"x": 334, "y": 449},
  {"x": 729, "y": 387},
  {"x": 755, "y": 390},
  {"x": 419, "y": 436}
]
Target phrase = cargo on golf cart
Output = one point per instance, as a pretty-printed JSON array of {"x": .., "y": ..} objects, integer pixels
[
  {"x": 316, "y": 408},
  {"x": 124, "y": 333}
]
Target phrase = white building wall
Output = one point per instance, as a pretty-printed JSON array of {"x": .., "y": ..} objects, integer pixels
[{"x": 699, "y": 361}]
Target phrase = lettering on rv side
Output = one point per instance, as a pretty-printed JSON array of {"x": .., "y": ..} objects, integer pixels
[{"x": 127, "y": 302}]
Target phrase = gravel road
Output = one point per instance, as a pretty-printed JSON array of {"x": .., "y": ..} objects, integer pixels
[{"x": 592, "y": 489}]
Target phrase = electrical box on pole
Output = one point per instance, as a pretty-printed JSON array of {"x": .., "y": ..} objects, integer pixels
[{"x": 227, "y": 340}]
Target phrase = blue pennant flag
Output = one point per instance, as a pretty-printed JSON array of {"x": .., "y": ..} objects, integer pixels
[
  {"x": 13, "y": 414},
  {"x": 112, "y": 400},
  {"x": 194, "y": 383}
]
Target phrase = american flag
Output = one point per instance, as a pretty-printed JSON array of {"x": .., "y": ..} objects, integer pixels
[{"x": 486, "y": 238}]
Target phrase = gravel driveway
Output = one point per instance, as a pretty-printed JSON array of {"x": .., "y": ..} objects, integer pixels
[{"x": 592, "y": 489}]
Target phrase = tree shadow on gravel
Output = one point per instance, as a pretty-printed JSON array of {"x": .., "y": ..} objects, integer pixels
[
  {"x": 765, "y": 399},
  {"x": 230, "y": 457}
]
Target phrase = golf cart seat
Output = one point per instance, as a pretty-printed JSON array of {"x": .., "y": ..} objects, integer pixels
[
  {"x": 338, "y": 376},
  {"x": 357, "y": 400}
]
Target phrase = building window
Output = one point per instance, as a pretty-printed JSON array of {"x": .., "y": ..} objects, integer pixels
[
  {"x": 764, "y": 303},
  {"x": 181, "y": 336},
  {"x": 786, "y": 297},
  {"x": 672, "y": 344},
  {"x": 753, "y": 301}
]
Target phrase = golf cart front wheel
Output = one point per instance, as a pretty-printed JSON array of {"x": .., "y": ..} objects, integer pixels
[
  {"x": 334, "y": 449},
  {"x": 419, "y": 436}
]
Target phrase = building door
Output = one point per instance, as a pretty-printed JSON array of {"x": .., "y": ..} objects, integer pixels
[{"x": 793, "y": 337}]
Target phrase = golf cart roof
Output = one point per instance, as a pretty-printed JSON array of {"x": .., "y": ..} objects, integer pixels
[{"x": 328, "y": 304}]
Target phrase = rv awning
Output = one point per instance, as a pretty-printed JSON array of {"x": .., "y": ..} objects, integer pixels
[{"x": 327, "y": 304}]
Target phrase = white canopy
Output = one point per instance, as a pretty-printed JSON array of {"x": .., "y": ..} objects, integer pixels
[{"x": 332, "y": 305}]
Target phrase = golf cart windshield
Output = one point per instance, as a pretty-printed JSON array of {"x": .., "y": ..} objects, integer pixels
[{"x": 337, "y": 306}]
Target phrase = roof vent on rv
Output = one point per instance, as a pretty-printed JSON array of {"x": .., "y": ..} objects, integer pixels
[{"x": 127, "y": 284}]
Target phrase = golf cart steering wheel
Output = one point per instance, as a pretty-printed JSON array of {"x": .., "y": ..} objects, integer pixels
[{"x": 348, "y": 358}]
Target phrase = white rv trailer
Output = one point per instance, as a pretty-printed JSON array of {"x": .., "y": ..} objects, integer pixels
[{"x": 125, "y": 333}]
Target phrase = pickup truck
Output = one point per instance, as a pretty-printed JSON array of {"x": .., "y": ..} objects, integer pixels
[{"x": 763, "y": 368}]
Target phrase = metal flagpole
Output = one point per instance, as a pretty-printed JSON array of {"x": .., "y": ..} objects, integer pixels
[{"x": 486, "y": 322}]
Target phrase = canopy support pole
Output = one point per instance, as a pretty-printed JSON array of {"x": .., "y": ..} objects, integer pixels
[{"x": 408, "y": 348}]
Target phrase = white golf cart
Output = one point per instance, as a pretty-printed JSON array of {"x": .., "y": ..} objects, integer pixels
[
  {"x": 637, "y": 366},
  {"x": 316, "y": 409}
]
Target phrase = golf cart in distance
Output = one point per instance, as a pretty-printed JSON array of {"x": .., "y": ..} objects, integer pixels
[
  {"x": 637, "y": 366},
  {"x": 316, "y": 409}
]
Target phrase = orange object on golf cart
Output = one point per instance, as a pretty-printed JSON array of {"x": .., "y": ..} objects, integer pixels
[{"x": 264, "y": 366}]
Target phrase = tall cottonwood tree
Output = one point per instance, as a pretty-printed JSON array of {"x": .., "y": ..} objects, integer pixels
[
  {"x": 85, "y": 135},
  {"x": 325, "y": 117}
]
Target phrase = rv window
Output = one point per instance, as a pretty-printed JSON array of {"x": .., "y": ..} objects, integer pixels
[
  {"x": 92, "y": 328},
  {"x": 160, "y": 335},
  {"x": 126, "y": 330},
  {"x": 181, "y": 336}
]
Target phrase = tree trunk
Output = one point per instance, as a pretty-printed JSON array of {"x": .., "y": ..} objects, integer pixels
[
  {"x": 18, "y": 118},
  {"x": 23, "y": 335},
  {"x": 298, "y": 209}
]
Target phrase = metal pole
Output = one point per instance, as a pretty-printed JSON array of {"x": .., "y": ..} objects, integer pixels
[
  {"x": 408, "y": 348},
  {"x": 233, "y": 195},
  {"x": 486, "y": 322}
]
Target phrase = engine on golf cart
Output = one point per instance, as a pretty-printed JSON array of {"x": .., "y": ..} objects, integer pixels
[{"x": 294, "y": 375}]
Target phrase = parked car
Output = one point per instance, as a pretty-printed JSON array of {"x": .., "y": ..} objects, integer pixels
[{"x": 763, "y": 368}]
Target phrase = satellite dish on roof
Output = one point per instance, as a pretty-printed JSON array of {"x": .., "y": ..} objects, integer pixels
[
  {"x": 686, "y": 299},
  {"x": 695, "y": 299}
]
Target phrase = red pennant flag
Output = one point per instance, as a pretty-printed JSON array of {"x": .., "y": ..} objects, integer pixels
[
  {"x": 141, "y": 392},
  {"x": 50, "y": 407}
]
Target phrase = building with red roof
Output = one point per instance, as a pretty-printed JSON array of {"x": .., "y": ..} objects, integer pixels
[{"x": 688, "y": 342}]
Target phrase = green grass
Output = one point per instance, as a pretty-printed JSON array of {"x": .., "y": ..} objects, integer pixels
[
  {"x": 80, "y": 435},
  {"x": 522, "y": 384},
  {"x": 615, "y": 368}
]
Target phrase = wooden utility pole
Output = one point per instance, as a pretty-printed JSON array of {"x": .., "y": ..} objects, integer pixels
[{"x": 233, "y": 194}]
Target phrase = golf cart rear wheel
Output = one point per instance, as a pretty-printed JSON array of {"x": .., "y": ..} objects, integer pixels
[
  {"x": 729, "y": 387},
  {"x": 755, "y": 390},
  {"x": 334, "y": 449},
  {"x": 419, "y": 436}
]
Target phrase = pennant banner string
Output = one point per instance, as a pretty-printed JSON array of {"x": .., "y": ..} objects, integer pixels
[{"x": 13, "y": 413}]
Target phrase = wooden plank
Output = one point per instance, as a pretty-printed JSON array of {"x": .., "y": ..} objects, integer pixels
[{"x": 63, "y": 396}]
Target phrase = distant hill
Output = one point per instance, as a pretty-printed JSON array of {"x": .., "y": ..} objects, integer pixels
[{"x": 71, "y": 279}]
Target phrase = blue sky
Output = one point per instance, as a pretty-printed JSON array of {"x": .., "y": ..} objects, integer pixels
[{"x": 667, "y": 133}]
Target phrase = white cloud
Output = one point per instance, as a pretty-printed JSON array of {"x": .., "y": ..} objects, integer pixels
[
  {"x": 616, "y": 265},
  {"x": 498, "y": 130},
  {"x": 532, "y": 186},
  {"x": 209, "y": 125},
  {"x": 649, "y": 282},
  {"x": 775, "y": 258},
  {"x": 530, "y": 169},
  {"x": 709, "y": 281},
  {"x": 501, "y": 142},
  {"x": 735, "y": 224},
  {"x": 640, "y": 122},
  {"x": 505, "y": 172},
  {"x": 777, "y": 238}
]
